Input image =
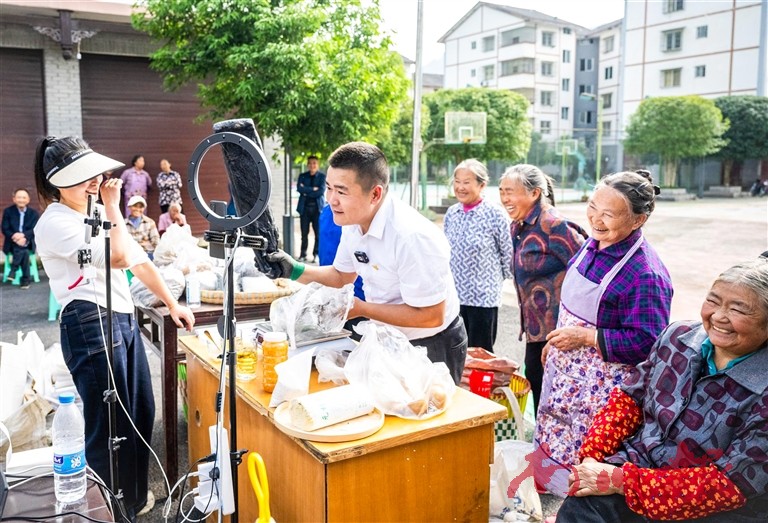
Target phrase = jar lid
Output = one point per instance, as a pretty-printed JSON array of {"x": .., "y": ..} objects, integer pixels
[{"x": 275, "y": 336}]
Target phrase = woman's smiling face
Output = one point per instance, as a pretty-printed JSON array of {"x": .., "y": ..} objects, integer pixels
[
  {"x": 610, "y": 218},
  {"x": 734, "y": 319}
]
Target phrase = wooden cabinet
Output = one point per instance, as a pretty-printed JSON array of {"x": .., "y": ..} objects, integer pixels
[{"x": 431, "y": 470}]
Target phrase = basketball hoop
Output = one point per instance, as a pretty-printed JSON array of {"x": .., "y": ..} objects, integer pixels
[
  {"x": 465, "y": 127},
  {"x": 467, "y": 139}
]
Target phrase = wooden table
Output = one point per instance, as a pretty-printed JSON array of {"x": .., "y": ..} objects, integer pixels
[
  {"x": 36, "y": 499},
  {"x": 158, "y": 327},
  {"x": 431, "y": 470}
]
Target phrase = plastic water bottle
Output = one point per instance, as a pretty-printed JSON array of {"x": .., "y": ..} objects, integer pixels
[
  {"x": 193, "y": 291},
  {"x": 69, "y": 480}
]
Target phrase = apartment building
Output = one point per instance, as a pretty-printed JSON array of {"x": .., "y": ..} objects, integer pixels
[
  {"x": 521, "y": 50},
  {"x": 681, "y": 47}
]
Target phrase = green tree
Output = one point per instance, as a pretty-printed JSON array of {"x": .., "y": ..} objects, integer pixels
[
  {"x": 317, "y": 73},
  {"x": 507, "y": 128},
  {"x": 398, "y": 145},
  {"x": 748, "y": 135},
  {"x": 675, "y": 127}
]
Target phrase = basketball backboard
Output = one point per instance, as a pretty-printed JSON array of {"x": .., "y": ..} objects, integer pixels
[
  {"x": 566, "y": 146},
  {"x": 465, "y": 127}
]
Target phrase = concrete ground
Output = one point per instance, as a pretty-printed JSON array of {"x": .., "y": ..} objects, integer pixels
[{"x": 695, "y": 239}]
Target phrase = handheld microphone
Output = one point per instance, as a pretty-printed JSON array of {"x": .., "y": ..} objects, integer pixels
[{"x": 89, "y": 219}]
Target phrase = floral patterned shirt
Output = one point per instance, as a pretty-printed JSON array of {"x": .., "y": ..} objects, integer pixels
[
  {"x": 481, "y": 252},
  {"x": 169, "y": 185}
]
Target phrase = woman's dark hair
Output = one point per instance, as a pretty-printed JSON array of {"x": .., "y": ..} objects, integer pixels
[
  {"x": 50, "y": 152},
  {"x": 637, "y": 187},
  {"x": 136, "y": 157},
  {"x": 531, "y": 177}
]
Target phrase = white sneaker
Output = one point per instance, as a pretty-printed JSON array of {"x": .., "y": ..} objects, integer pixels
[{"x": 148, "y": 505}]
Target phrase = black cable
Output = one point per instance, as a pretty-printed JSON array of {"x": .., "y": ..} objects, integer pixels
[{"x": 115, "y": 501}]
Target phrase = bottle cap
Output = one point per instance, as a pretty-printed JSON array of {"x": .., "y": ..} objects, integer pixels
[
  {"x": 66, "y": 397},
  {"x": 275, "y": 336}
]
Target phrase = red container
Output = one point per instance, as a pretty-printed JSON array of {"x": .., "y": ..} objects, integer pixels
[{"x": 480, "y": 382}]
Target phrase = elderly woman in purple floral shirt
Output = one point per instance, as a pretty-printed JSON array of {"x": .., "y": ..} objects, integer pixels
[
  {"x": 614, "y": 303},
  {"x": 544, "y": 242}
]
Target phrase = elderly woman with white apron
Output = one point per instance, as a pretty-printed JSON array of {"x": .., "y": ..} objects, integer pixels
[{"x": 615, "y": 300}]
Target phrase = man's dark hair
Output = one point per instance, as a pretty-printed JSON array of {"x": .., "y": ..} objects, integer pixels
[
  {"x": 312, "y": 157},
  {"x": 366, "y": 160}
]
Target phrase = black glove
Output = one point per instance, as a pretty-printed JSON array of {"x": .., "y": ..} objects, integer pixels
[{"x": 289, "y": 268}]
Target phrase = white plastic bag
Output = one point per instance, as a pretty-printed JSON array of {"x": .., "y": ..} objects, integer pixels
[
  {"x": 400, "y": 377},
  {"x": 513, "y": 491},
  {"x": 173, "y": 278},
  {"x": 312, "y": 312},
  {"x": 330, "y": 366}
]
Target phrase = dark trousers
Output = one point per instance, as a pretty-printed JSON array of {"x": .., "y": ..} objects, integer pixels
[
  {"x": 83, "y": 348},
  {"x": 481, "y": 324},
  {"x": 448, "y": 346},
  {"x": 614, "y": 509},
  {"x": 20, "y": 259},
  {"x": 534, "y": 370},
  {"x": 310, "y": 215}
]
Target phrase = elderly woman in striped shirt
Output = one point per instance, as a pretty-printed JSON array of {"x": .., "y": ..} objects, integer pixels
[
  {"x": 481, "y": 252},
  {"x": 614, "y": 303}
]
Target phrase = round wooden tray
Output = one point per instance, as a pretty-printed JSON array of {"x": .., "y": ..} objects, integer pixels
[{"x": 246, "y": 298}]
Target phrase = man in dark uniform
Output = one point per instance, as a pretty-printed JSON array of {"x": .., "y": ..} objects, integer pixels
[{"x": 311, "y": 187}]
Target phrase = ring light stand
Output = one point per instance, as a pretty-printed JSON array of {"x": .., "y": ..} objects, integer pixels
[{"x": 225, "y": 236}]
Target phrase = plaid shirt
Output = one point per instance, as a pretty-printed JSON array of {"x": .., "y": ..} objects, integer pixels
[
  {"x": 481, "y": 252},
  {"x": 145, "y": 234},
  {"x": 635, "y": 306}
]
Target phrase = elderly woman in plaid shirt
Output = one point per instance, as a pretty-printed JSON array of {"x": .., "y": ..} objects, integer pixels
[
  {"x": 686, "y": 436},
  {"x": 481, "y": 252},
  {"x": 614, "y": 303}
]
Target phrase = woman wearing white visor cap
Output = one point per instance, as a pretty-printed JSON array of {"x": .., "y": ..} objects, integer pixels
[{"x": 67, "y": 173}]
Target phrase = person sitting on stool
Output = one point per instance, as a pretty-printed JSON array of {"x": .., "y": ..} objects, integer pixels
[
  {"x": 19, "y": 222},
  {"x": 311, "y": 187}
]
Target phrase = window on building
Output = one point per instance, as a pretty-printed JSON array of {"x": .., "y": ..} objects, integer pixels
[
  {"x": 472, "y": 73},
  {"x": 701, "y": 71},
  {"x": 607, "y": 100},
  {"x": 585, "y": 64},
  {"x": 672, "y": 40},
  {"x": 517, "y": 66},
  {"x": 474, "y": 44},
  {"x": 487, "y": 72},
  {"x": 545, "y": 127},
  {"x": 606, "y": 128},
  {"x": 548, "y": 39},
  {"x": 585, "y": 88},
  {"x": 489, "y": 43},
  {"x": 670, "y": 6},
  {"x": 585, "y": 117},
  {"x": 702, "y": 31},
  {"x": 546, "y": 98},
  {"x": 608, "y": 44},
  {"x": 670, "y": 77},
  {"x": 566, "y": 84},
  {"x": 566, "y": 56},
  {"x": 566, "y": 30},
  {"x": 547, "y": 69},
  {"x": 564, "y": 113},
  {"x": 609, "y": 72}
]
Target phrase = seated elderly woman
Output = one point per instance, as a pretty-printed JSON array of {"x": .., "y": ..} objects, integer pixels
[
  {"x": 686, "y": 436},
  {"x": 173, "y": 215}
]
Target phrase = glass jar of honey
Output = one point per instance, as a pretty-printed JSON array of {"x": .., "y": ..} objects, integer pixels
[{"x": 274, "y": 349}]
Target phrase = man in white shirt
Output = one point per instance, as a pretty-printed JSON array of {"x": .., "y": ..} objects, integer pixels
[{"x": 402, "y": 257}]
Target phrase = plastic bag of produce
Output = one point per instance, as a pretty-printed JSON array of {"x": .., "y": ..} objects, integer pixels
[
  {"x": 400, "y": 377},
  {"x": 312, "y": 312}
]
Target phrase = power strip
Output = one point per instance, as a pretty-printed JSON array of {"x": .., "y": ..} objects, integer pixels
[{"x": 216, "y": 494}]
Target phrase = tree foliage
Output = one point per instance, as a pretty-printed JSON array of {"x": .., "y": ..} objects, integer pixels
[
  {"x": 398, "y": 146},
  {"x": 676, "y": 127},
  {"x": 318, "y": 73},
  {"x": 507, "y": 128},
  {"x": 748, "y": 135}
]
